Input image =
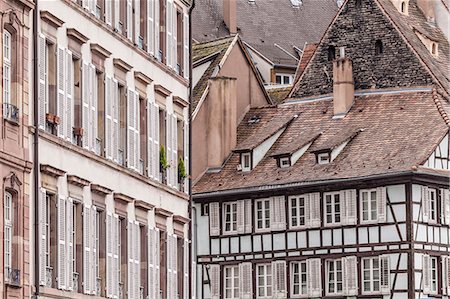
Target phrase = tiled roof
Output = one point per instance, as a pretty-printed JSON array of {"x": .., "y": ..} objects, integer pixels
[
  {"x": 278, "y": 94},
  {"x": 265, "y": 23},
  {"x": 308, "y": 52},
  {"x": 400, "y": 131}
]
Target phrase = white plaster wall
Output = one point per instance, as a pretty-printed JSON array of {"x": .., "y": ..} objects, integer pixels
[{"x": 263, "y": 66}]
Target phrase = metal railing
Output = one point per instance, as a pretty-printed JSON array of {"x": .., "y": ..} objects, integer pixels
[
  {"x": 120, "y": 158},
  {"x": 12, "y": 276},
  {"x": 98, "y": 286},
  {"x": 121, "y": 290},
  {"x": 75, "y": 278},
  {"x": 49, "y": 277},
  {"x": 141, "y": 292},
  {"x": 140, "y": 42},
  {"x": 141, "y": 166},
  {"x": 11, "y": 112},
  {"x": 98, "y": 146}
]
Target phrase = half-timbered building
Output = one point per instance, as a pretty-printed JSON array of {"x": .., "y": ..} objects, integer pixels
[{"x": 342, "y": 190}]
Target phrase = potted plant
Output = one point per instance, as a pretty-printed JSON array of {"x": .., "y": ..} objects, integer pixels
[
  {"x": 163, "y": 164},
  {"x": 181, "y": 171}
]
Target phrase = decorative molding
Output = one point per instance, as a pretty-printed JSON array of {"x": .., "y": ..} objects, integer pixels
[
  {"x": 181, "y": 102},
  {"x": 139, "y": 204},
  {"x": 52, "y": 171},
  {"x": 122, "y": 197},
  {"x": 51, "y": 19},
  {"x": 77, "y": 181},
  {"x": 162, "y": 212},
  {"x": 139, "y": 76},
  {"x": 162, "y": 90},
  {"x": 98, "y": 50},
  {"x": 95, "y": 188},
  {"x": 122, "y": 65},
  {"x": 76, "y": 36},
  {"x": 180, "y": 219},
  {"x": 13, "y": 181}
]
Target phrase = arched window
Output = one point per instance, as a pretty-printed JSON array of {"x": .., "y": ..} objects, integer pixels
[
  {"x": 403, "y": 7},
  {"x": 331, "y": 53},
  {"x": 378, "y": 47},
  {"x": 7, "y": 66},
  {"x": 9, "y": 230}
]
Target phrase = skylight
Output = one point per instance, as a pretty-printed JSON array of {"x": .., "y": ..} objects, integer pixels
[{"x": 296, "y": 3}]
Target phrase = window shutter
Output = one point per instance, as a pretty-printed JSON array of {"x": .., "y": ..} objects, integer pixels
[
  {"x": 169, "y": 146},
  {"x": 425, "y": 204},
  {"x": 137, "y": 21},
  {"x": 157, "y": 263},
  {"x": 86, "y": 105},
  {"x": 70, "y": 243},
  {"x": 154, "y": 133},
  {"x": 61, "y": 97},
  {"x": 157, "y": 29},
  {"x": 115, "y": 115},
  {"x": 130, "y": 133},
  {"x": 279, "y": 279},
  {"x": 116, "y": 254},
  {"x": 186, "y": 46},
  {"x": 62, "y": 231},
  {"x": 277, "y": 213},
  {"x": 130, "y": 251},
  {"x": 152, "y": 255},
  {"x": 109, "y": 255},
  {"x": 87, "y": 275},
  {"x": 93, "y": 107},
  {"x": 69, "y": 96},
  {"x": 426, "y": 274},
  {"x": 42, "y": 70},
  {"x": 174, "y": 36},
  {"x": 186, "y": 155},
  {"x": 385, "y": 285},
  {"x": 130, "y": 19},
  {"x": 42, "y": 237},
  {"x": 108, "y": 118},
  {"x": 169, "y": 281},
  {"x": 108, "y": 12},
  {"x": 94, "y": 257},
  {"x": 240, "y": 221},
  {"x": 186, "y": 281},
  {"x": 169, "y": 35},
  {"x": 151, "y": 26},
  {"x": 150, "y": 146},
  {"x": 351, "y": 277},
  {"x": 174, "y": 253},
  {"x": 446, "y": 283},
  {"x": 245, "y": 281},
  {"x": 350, "y": 206},
  {"x": 174, "y": 152},
  {"x": 137, "y": 259},
  {"x": 137, "y": 145},
  {"x": 214, "y": 276},
  {"x": 248, "y": 216},
  {"x": 445, "y": 196},
  {"x": 314, "y": 209},
  {"x": 214, "y": 219},
  {"x": 314, "y": 278},
  {"x": 116, "y": 15},
  {"x": 381, "y": 204}
]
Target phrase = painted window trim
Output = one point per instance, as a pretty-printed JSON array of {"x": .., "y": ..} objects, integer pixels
[
  {"x": 370, "y": 221},
  {"x": 266, "y": 280},
  {"x": 327, "y": 282},
  {"x": 235, "y": 273},
  {"x": 371, "y": 292},
  {"x": 297, "y": 197},
  {"x": 264, "y": 229},
  {"x": 292, "y": 279},
  {"x": 341, "y": 222},
  {"x": 230, "y": 232}
]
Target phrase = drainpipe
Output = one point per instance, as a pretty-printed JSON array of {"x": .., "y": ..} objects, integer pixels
[
  {"x": 191, "y": 8},
  {"x": 35, "y": 147}
]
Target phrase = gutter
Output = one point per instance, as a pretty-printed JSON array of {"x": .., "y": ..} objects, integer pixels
[{"x": 35, "y": 146}]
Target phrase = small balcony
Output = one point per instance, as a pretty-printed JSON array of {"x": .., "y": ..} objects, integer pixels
[
  {"x": 12, "y": 276},
  {"x": 11, "y": 113}
]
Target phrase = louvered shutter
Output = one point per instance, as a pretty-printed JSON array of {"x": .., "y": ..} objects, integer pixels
[
  {"x": 137, "y": 259},
  {"x": 446, "y": 282},
  {"x": 214, "y": 276},
  {"x": 277, "y": 213},
  {"x": 153, "y": 145},
  {"x": 314, "y": 278},
  {"x": 129, "y": 19},
  {"x": 186, "y": 155},
  {"x": 279, "y": 279},
  {"x": 245, "y": 281},
  {"x": 385, "y": 285},
  {"x": 314, "y": 209},
  {"x": 115, "y": 113},
  {"x": 86, "y": 105},
  {"x": 130, "y": 131},
  {"x": 186, "y": 46},
  {"x": 248, "y": 216},
  {"x": 445, "y": 196},
  {"x": 381, "y": 204},
  {"x": 169, "y": 146},
  {"x": 94, "y": 250},
  {"x": 42, "y": 90},
  {"x": 214, "y": 219},
  {"x": 157, "y": 31},
  {"x": 174, "y": 36},
  {"x": 70, "y": 243},
  {"x": 62, "y": 231},
  {"x": 157, "y": 263},
  {"x": 116, "y": 255},
  {"x": 426, "y": 274},
  {"x": 42, "y": 236},
  {"x": 169, "y": 286},
  {"x": 137, "y": 145},
  {"x": 69, "y": 96},
  {"x": 61, "y": 94},
  {"x": 108, "y": 12},
  {"x": 130, "y": 251},
  {"x": 87, "y": 270},
  {"x": 151, "y": 26},
  {"x": 350, "y": 206},
  {"x": 240, "y": 221},
  {"x": 117, "y": 15},
  {"x": 150, "y": 153},
  {"x": 174, "y": 253},
  {"x": 174, "y": 152},
  {"x": 93, "y": 107},
  {"x": 86, "y": 4},
  {"x": 169, "y": 35},
  {"x": 151, "y": 263},
  {"x": 137, "y": 21},
  {"x": 186, "y": 281},
  {"x": 109, "y": 256},
  {"x": 425, "y": 204},
  {"x": 350, "y": 275},
  {"x": 109, "y": 98}
]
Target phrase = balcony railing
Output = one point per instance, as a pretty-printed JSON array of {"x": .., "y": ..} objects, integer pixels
[
  {"x": 141, "y": 292},
  {"x": 49, "y": 277},
  {"x": 121, "y": 290},
  {"x": 121, "y": 159},
  {"x": 10, "y": 112},
  {"x": 76, "y": 276},
  {"x": 141, "y": 166},
  {"x": 98, "y": 287},
  {"x": 159, "y": 55},
  {"x": 140, "y": 42},
  {"x": 98, "y": 146},
  {"x": 12, "y": 276}
]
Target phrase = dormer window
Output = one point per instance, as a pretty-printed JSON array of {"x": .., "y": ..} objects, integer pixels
[
  {"x": 246, "y": 161},
  {"x": 284, "y": 162},
  {"x": 402, "y": 6},
  {"x": 434, "y": 49},
  {"x": 323, "y": 158}
]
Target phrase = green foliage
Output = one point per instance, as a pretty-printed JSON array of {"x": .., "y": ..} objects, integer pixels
[
  {"x": 181, "y": 169},
  {"x": 163, "y": 164}
]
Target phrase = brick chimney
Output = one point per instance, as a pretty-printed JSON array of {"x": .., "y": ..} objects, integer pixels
[
  {"x": 343, "y": 86},
  {"x": 230, "y": 15},
  {"x": 427, "y": 7}
]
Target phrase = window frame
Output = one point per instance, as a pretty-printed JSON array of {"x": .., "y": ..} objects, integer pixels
[
  {"x": 297, "y": 209},
  {"x": 7, "y": 65},
  {"x": 9, "y": 226},
  {"x": 243, "y": 157},
  {"x": 434, "y": 272},
  {"x": 265, "y": 218},
  {"x": 283, "y": 77},
  {"x": 333, "y": 211},
  {"x": 371, "y": 279},
  {"x": 284, "y": 159},
  {"x": 321, "y": 161},
  {"x": 433, "y": 200},
  {"x": 267, "y": 277},
  {"x": 234, "y": 271},
  {"x": 335, "y": 272},
  {"x": 233, "y": 217},
  {"x": 299, "y": 274},
  {"x": 370, "y": 211}
]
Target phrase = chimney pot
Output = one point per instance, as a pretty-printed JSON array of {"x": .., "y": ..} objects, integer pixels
[
  {"x": 230, "y": 15},
  {"x": 343, "y": 86}
]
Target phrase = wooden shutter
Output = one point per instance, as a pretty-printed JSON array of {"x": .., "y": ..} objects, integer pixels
[
  {"x": 425, "y": 204},
  {"x": 186, "y": 155},
  {"x": 108, "y": 12},
  {"x": 350, "y": 206},
  {"x": 169, "y": 35},
  {"x": 169, "y": 286},
  {"x": 214, "y": 219},
  {"x": 314, "y": 277},
  {"x": 152, "y": 256},
  {"x": 426, "y": 274},
  {"x": 116, "y": 255},
  {"x": 137, "y": 144},
  {"x": 109, "y": 256},
  {"x": 246, "y": 281},
  {"x": 94, "y": 257},
  {"x": 186, "y": 281},
  {"x": 174, "y": 163},
  {"x": 350, "y": 275},
  {"x": 279, "y": 279},
  {"x": 151, "y": 26},
  {"x": 169, "y": 146},
  {"x": 240, "y": 221},
  {"x": 93, "y": 107},
  {"x": 214, "y": 276},
  {"x": 115, "y": 119},
  {"x": 86, "y": 105},
  {"x": 42, "y": 90},
  {"x": 130, "y": 130},
  {"x": 157, "y": 18},
  {"x": 314, "y": 209},
  {"x": 445, "y": 199},
  {"x": 174, "y": 254},
  {"x": 157, "y": 262},
  {"x": 70, "y": 243},
  {"x": 277, "y": 213},
  {"x": 129, "y": 19},
  {"x": 137, "y": 21},
  {"x": 117, "y": 15},
  {"x": 186, "y": 65},
  {"x": 446, "y": 269},
  {"x": 154, "y": 141},
  {"x": 69, "y": 95},
  {"x": 150, "y": 152},
  {"x": 42, "y": 236},
  {"x": 248, "y": 216},
  {"x": 174, "y": 36},
  {"x": 381, "y": 204},
  {"x": 87, "y": 270},
  {"x": 62, "y": 231},
  {"x": 109, "y": 136},
  {"x": 61, "y": 94},
  {"x": 130, "y": 251},
  {"x": 385, "y": 275}
]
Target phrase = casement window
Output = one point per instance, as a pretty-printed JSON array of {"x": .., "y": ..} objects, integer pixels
[
  {"x": 171, "y": 34},
  {"x": 89, "y": 115},
  {"x": 65, "y": 89},
  {"x": 264, "y": 281},
  {"x": 335, "y": 282},
  {"x": 143, "y": 258},
  {"x": 162, "y": 20},
  {"x": 246, "y": 161},
  {"x": 341, "y": 276},
  {"x": 153, "y": 263},
  {"x": 90, "y": 252},
  {"x": 445, "y": 275},
  {"x": 284, "y": 78},
  {"x": 47, "y": 238},
  {"x": 137, "y": 8},
  {"x": 230, "y": 217},
  {"x": 445, "y": 206},
  {"x": 304, "y": 210},
  {"x": 270, "y": 213},
  {"x": 429, "y": 274},
  {"x": 129, "y": 19},
  {"x": 77, "y": 233},
  {"x": 8, "y": 231},
  {"x": 373, "y": 207},
  {"x": 333, "y": 208},
  {"x": 163, "y": 258},
  {"x": 112, "y": 255},
  {"x": 121, "y": 158},
  {"x": 340, "y": 208},
  {"x": 123, "y": 253},
  {"x": 262, "y": 214},
  {"x": 91, "y": 6},
  {"x": 306, "y": 278},
  {"x": 231, "y": 282},
  {"x": 7, "y": 66},
  {"x": 375, "y": 275},
  {"x": 236, "y": 217},
  {"x": 429, "y": 205}
]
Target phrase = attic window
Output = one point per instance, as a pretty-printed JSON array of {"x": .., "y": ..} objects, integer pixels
[
  {"x": 404, "y": 7},
  {"x": 331, "y": 53},
  {"x": 246, "y": 161},
  {"x": 254, "y": 119},
  {"x": 378, "y": 47},
  {"x": 284, "y": 162},
  {"x": 323, "y": 158},
  {"x": 434, "y": 49}
]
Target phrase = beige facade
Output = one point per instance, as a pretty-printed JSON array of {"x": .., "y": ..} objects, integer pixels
[{"x": 15, "y": 165}]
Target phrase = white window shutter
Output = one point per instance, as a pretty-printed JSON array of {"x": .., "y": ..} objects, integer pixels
[
  {"x": 109, "y": 256},
  {"x": 385, "y": 275},
  {"x": 445, "y": 197},
  {"x": 116, "y": 255},
  {"x": 154, "y": 146},
  {"x": 174, "y": 267},
  {"x": 279, "y": 279},
  {"x": 129, "y": 19},
  {"x": 169, "y": 36},
  {"x": 137, "y": 21},
  {"x": 426, "y": 274},
  {"x": 157, "y": 262},
  {"x": 186, "y": 155},
  {"x": 381, "y": 204},
  {"x": 108, "y": 142},
  {"x": 93, "y": 106},
  {"x": 137, "y": 259},
  {"x": 42, "y": 236},
  {"x": 446, "y": 283},
  {"x": 214, "y": 219},
  {"x": 174, "y": 36},
  {"x": 314, "y": 278},
  {"x": 62, "y": 231},
  {"x": 175, "y": 151},
  {"x": 42, "y": 90},
  {"x": 350, "y": 206},
  {"x": 168, "y": 121},
  {"x": 87, "y": 271},
  {"x": 248, "y": 216},
  {"x": 169, "y": 286},
  {"x": 69, "y": 96},
  {"x": 186, "y": 281},
  {"x": 94, "y": 250},
  {"x": 151, "y": 26},
  {"x": 245, "y": 281},
  {"x": 70, "y": 243},
  {"x": 186, "y": 46},
  {"x": 425, "y": 204},
  {"x": 277, "y": 213},
  {"x": 130, "y": 130},
  {"x": 350, "y": 275},
  {"x": 108, "y": 12},
  {"x": 61, "y": 94},
  {"x": 86, "y": 105},
  {"x": 214, "y": 277},
  {"x": 136, "y": 132},
  {"x": 150, "y": 153},
  {"x": 130, "y": 250},
  {"x": 314, "y": 209},
  {"x": 152, "y": 256},
  {"x": 115, "y": 113},
  {"x": 240, "y": 221},
  {"x": 116, "y": 14}
]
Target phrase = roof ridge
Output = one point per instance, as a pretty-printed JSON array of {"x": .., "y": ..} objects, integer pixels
[
  {"x": 440, "y": 108},
  {"x": 219, "y": 39}
]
